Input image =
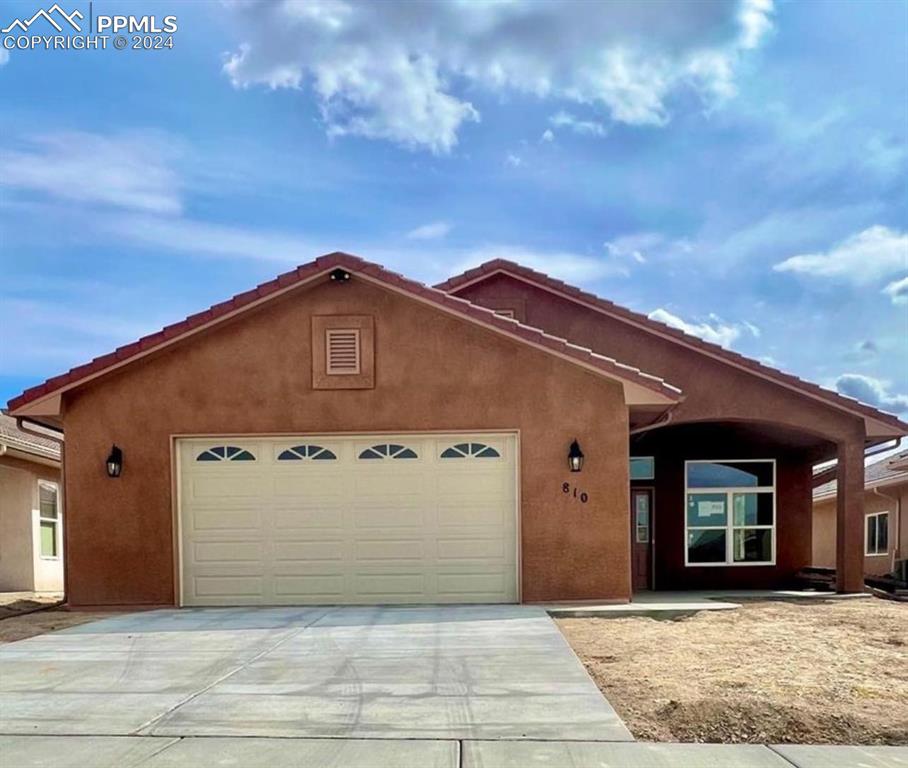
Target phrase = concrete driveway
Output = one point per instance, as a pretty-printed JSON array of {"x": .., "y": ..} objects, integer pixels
[{"x": 441, "y": 673}]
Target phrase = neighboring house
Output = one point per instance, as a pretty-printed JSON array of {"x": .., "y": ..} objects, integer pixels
[
  {"x": 342, "y": 434},
  {"x": 885, "y": 530},
  {"x": 31, "y": 521}
]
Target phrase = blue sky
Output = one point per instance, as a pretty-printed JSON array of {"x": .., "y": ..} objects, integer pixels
[{"x": 736, "y": 169}]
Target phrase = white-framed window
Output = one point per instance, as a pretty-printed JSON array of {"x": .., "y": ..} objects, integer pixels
[
  {"x": 49, "y": 519},
  {"x": 876, "y": 533},
  {"x": 730, "y": 512}
]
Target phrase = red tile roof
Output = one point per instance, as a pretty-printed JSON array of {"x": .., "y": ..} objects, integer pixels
[
  {"x": 355, "y": 265},
  {"x": 841, "y": 402}
]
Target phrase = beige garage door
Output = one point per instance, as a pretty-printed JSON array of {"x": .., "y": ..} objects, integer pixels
[{"x": 321, "y": 519}]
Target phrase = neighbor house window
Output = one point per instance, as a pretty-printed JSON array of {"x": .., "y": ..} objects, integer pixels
[
  {"x": 49, "y": 519},
  {"x": 643, "y": 467},
  {"x": 730, "y": 512},
  {"x": 876, "y": 533}
]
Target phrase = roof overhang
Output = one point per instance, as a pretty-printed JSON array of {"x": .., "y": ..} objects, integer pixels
[
  {"x": 878, "y": 425},
  {"x": 44, "y": 402}
]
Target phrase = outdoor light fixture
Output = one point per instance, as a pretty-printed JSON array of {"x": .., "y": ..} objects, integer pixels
[
  {"x": 575, "y": 457},
  {"x": 340, "y": 275},
  {"x": 114, "y": 462}
]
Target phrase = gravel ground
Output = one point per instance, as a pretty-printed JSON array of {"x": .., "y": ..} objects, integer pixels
[{"x": 830, "y": 672}]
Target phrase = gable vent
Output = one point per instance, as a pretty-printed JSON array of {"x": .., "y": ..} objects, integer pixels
[{"x": 342, "y": 349}]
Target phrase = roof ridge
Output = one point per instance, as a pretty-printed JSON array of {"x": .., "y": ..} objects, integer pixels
[
  {"x": 305, "y": 272},
  {"x": 492, "y": 266}
]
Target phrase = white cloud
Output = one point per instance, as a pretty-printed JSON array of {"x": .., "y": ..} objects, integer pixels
[
  {"x": 547, "y": 135},
  {"x": 862, "y": 258},
  {"x": 871, "y": 391},
  {"x": 515, "y": 161},
  {"x": 716, "y": 330},
  {"x": 398, "y": 71},
  {"x": 130, "y": 171},
  {"x": 897, "y": 291},
  {"x": 434, "y": 231},
  {"x": 202, "y": 238},
  {"x": 641, "y": 246},
  {"x": 564, "y": 119}
]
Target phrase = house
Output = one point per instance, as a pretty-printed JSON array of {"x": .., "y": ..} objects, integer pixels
[
  {"x": 342, "y": 434},
  {"x": 885, "y": 532},
  {"x": 31, "y": 525}
]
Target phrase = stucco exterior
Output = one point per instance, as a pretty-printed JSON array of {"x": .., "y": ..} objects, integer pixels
[
  {"x": 894, "y": 501},
  {"x": 22, "y": 569},
  {"x": 729, "y": 413},
  {"x": 433, "y": 371}
]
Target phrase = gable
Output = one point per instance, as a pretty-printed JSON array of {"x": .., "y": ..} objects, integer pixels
[
  {"x": 717, "y": 383},
  {"x": 45, "y": 399}
]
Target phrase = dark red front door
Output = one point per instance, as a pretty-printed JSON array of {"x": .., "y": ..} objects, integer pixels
[{"x": 641, "y": 537}]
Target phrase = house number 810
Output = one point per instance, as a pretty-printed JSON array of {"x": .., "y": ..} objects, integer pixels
[{"x": 572, "y": 490}]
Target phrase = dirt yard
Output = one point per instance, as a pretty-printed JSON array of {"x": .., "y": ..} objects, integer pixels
[
  {"x": 830, "y": 672},
  {"x": 20, "y": 627}
]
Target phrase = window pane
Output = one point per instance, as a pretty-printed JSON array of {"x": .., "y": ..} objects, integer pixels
[
  {"x": 706, "y": 546},
  {"x": 643, "y": 468},
  {"x": 753, "y": 546},
  {"x": 729, "y": 474},
  {"x": 47, "y": 501},
  {"x": 643, "y": 535},
  {"x": 706, "y": 509},
  {"x": 48, "y": 539},
  {"x": 871, "y": 534},
  {"x": 882, "y": 533},
  {"x": 752, "y": 509}
]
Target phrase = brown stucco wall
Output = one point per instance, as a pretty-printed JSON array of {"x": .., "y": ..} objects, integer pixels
[
  {"x": 433, "y": 372},
  {"x": 712, "y": 389},
  {"x": 671, "y": 448},
  {"x": 714, "y": 392},
  {"x": 824, "y": 553}
]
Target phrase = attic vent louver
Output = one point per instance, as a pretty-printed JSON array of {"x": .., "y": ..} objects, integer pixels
[{"x": 342, "y": 350}]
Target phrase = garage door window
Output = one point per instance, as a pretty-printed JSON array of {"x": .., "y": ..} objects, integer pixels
[
  {"x": 388, "y": 451},
  {"x": 470, "y": 450},
  {"x": 298, "y": 452},
  {"x": 225, "y": 453}
]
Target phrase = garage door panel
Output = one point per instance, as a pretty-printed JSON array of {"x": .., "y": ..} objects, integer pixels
[
  {"x": 349, "y": 530},
  {"x": 304, "y": 517},
  {"x": 390, "y": 517},
  {"x": 312, "y": 550},
  {"x": 486, "y": 514},
  {"x": 482, "y": 483},
  {"x": 227, "y": 552},
  {"x": 228, "y": 586},
  {"x": 390, "y": 549},
  {"x": 310, "y": 483},
  {"x": 391, "y": 585},
  {"x": 326, "y": 587},
  {"x": 232, "y": 486},
  {"x": 226, "y": 520},
  {"x": 472, "y": 549}
]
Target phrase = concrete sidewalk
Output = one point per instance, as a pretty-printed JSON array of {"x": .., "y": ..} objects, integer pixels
[
  {"x": 163, "y": 752},
  {"x": 448, "y": 673}
]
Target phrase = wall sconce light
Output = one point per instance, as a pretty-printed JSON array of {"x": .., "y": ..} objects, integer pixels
[
  {"x": 575, "y": 457},
  {"x": 114, "y": 462}
]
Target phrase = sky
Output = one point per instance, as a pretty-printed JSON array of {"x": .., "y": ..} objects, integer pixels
[{"x": 735, "y": 169}]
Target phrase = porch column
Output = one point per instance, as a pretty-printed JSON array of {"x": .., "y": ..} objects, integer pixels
[{"x": 850, "y": 515}]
